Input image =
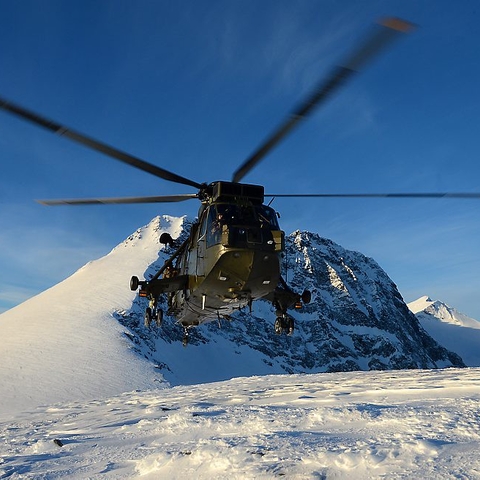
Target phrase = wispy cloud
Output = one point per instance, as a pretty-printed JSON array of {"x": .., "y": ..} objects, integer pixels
[{"x": 39, "y": 256}]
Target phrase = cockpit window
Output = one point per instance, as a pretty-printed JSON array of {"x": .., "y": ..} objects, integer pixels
[
  {"x": 233, "y": 215},
  {"x": 267, "y": 217},
  {"x": 257, "y": 216}
]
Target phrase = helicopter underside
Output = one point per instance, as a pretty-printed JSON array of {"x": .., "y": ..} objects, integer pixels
[{"x": 238, "y": 277}]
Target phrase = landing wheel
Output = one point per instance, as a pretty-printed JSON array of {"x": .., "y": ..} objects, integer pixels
[
  {"x": 148, "y": 317},
  {"x": 306, "y": 296},
  {"x": 134, "y": 282},
  {"x": 284, "y": 324},
  {"x": 278, "y": 326}
]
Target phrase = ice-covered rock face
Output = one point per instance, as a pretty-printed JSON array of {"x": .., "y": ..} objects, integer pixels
[{"x": 357, "y": 320}]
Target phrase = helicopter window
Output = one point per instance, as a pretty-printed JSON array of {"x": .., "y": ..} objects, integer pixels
[
  {"x": 236, "y": 214},
  {"x": 233, "y": 215},
  {"x": 203, "y": 226},
  {"x": 228, "y": 214},
  {"x": 246, "y": 215},
  {"x": 214, "y": 224},
  {"x": 267, "y": 217}
]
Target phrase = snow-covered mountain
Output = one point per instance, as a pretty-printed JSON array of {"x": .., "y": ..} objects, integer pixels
[
  {"x": 426, "y": 306},
  {"x": 83, "y": 343},
  {"x": 65, "y": 343},
  {"x": 84, "y": 338},
  {"x": 357, "y": 320},
  {"x": 450, "y": 328}
]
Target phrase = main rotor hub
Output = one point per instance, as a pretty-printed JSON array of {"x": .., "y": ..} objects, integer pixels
[{"x": 228, "y": 191}]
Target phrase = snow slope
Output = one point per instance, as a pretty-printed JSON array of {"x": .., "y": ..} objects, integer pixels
[
  {"x": 450, "y": 328},
  {"x": 362, "y": 425},
  {"x": 65, "y": 344}
]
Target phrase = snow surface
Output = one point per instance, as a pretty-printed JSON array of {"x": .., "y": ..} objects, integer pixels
[
  {"x": 71, "y": 348},
  {"x": 450, "y": 328},
  {"x": 362, "y": 425}
]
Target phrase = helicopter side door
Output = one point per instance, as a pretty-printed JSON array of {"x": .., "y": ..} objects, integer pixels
[{"x": 199, "y": 247}]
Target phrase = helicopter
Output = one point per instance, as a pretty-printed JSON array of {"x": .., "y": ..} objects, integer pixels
[{"x": 232, "y": 255}]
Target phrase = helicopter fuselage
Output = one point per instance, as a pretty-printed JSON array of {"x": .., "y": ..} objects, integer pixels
[
  {"x": 225, "y": 277},
  {"x": 232, "y": 257}
]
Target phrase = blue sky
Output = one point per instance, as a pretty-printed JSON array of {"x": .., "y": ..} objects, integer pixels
[{"x": 196, "y": 86}]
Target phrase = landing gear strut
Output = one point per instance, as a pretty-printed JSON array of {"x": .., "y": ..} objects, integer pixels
[
  {"x": 153, "y": 313},
  {"x": 284, "y": 324},
  {"x": 283, "y": 299},
  {"x": 185, "y": 336},
  {"x": 148, "y": 317}
]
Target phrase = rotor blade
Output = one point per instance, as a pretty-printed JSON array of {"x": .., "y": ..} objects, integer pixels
[
  {"x": 389, "y": 29},
  {"x": 119, "y": 200},
  {"x": 375, "y": 195},
  {"x": 113, "y": 152}
]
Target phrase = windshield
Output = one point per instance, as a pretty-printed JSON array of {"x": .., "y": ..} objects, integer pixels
[
  {"x": 251, "y": 215},
  {"x": 248, "y": 221},
  {"x": 267, "y": 216}
]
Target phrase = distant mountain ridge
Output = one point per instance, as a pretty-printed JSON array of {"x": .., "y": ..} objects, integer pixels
[
  {"x": 442, "y": 311},
  {"x": 450, "y": 328}
]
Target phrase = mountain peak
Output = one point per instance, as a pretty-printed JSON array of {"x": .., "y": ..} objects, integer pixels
[
  {"x": 441, "y": 312},
  {"x": 450, "y": 328},
  {"x": 150, "y": 233},
  {"x": 420, "y": 304},
  {"x": 67, "y": 342}
]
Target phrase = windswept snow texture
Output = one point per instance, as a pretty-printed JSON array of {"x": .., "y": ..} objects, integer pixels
[
  {"x": 362, "y": 425},
  {"x": 450, "y": 328}
]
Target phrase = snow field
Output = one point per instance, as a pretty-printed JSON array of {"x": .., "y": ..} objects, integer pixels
[{"x": 402, "y": 424}]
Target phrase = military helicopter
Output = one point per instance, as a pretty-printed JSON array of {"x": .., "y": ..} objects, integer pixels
[{"x": 233, "y": 252}]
